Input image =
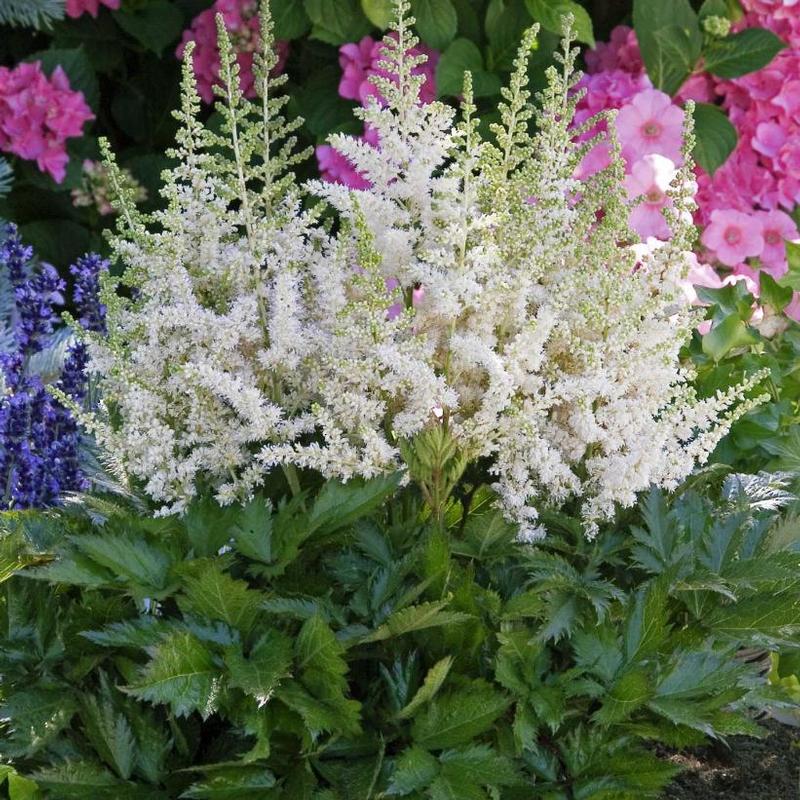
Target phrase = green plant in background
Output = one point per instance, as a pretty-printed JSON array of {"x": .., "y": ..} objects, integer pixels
[
  {"x": 333, "y": 646},
  {"x": 31, "y": 13}
]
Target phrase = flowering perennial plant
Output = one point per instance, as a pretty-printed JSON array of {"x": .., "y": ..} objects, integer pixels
[
  {"x": 241, "y": 21},
  {"x": 535, "y": 331},
  {"x": 39, "y": 436},
  {"x": 38, "y": 114}
]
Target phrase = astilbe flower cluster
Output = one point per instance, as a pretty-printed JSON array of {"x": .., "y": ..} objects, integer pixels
[
  {"x": 39, "y": 436},
  {"x": 744, "y": 208},
  {"x": 476, "y": 288},
  {"x": 76, "y": 8},
  {"x": 360, "y": 61},
  {"x": 38, "y": 114},
  {"x": 241, "y": 20}
]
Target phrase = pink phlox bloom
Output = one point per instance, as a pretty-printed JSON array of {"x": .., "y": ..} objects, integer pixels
[
  {"x": 75, "y": 8},
  {"x": 778, "y": 227},
  {"x": 649, "y": 179},
  {"x": 651, "y": 123},
  {"x": 733, "y": 236}
]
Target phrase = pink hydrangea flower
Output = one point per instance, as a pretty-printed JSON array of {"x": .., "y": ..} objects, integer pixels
[
  {"x": 621, "y": 52},
  {"x": 650, "y": 178},
  {"x": 650, "y": 123},
  {"x": 75, "y": 8},
  {"x": 38, "y": 115},
  {"x": 734, "y": 236},
  {"x": 241, "y": 21},
  {"x": 359, "y": 61}
]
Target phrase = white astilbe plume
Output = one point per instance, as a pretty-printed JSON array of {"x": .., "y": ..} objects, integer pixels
[{"x": 477, "y": 289}]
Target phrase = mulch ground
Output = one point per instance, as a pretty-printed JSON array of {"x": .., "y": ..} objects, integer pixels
[{"x": 745, "y": 769}]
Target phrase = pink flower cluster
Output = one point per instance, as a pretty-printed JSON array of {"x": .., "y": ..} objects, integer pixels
[
  {"x": 38, "y": 115},
  {"x": 241, "y": 21},
  {"x": 359, "y": 61},
  {"x": 77, "y": 7},
  {"x": 744, "y": 207}
]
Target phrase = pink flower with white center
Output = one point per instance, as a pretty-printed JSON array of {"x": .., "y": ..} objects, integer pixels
[
  {"x": 733, "y": 236},
  {"x": 650, "y": 123},
  {"x": 650, "y": 178},
  {"x": 778, "y": 226},
  {"x": 75, "y": 8}
]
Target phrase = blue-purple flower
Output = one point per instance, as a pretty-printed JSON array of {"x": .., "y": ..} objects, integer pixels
[{"x": 39, "y": 437}]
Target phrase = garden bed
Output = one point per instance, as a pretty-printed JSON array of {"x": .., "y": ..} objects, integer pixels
[{"x": 745, "y": 769}]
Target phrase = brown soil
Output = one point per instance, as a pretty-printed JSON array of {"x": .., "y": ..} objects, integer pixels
[{"x": 745, "y": 769}]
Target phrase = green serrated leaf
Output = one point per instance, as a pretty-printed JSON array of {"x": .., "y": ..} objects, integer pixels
[
  {"x": 339, "y": 505},
  {"x": 233, "y": 783},
  {"x": 629, "y": 693},
  {"x": 415, "y": 618},
  {"x": 259, "y": 674},
  {"x": 181, "y": 674},
  {"x": 131, "y": 558},
  {"x": 433, "y": 682},
  {"x": 459, "y": 716},
  {"x": 414, "y": 770},
  {"x": 35, "y": 718},
  {"x": 110, "y": 733},
  {"x": 209, "y": 593},
  {"x": 252, "y": 530}
]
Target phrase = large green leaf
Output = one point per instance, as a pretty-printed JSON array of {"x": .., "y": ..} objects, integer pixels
[
  {"x": 142, "y": 565},
  {"x": 289, "y": 18},
  {"x": 670, "y": 40},
  {"x": 437, "y": 21},
  {"x": 35, "y": 717},
  {"x": 434, "y": 679},
  {"x": 715, "y": 137},
  {"x": 262, "y": 670},
  {"x": 551, "y": 14},
  {"x": 416, "y": 618},
  {"x": 181, "y": 674},
  {"x": 460, "y": 57},
  {"x": 155, "y": 25},
  {"x": 339, "y": 505},
  {"x": 337, "y": 23},
  {"x": 233, "y": 783},
  {"x": 110, "y": 733},
  {"x": 743, "y": 52},
  {"x": 414, "y": 770},
  {"x": 210, "y": 594},
  {"x": 458, "y": 717},
  {"x": 727, "y": 335}
]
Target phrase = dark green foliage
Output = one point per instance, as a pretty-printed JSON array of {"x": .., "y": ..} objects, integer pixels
[{"x": 336, "y": 647}]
